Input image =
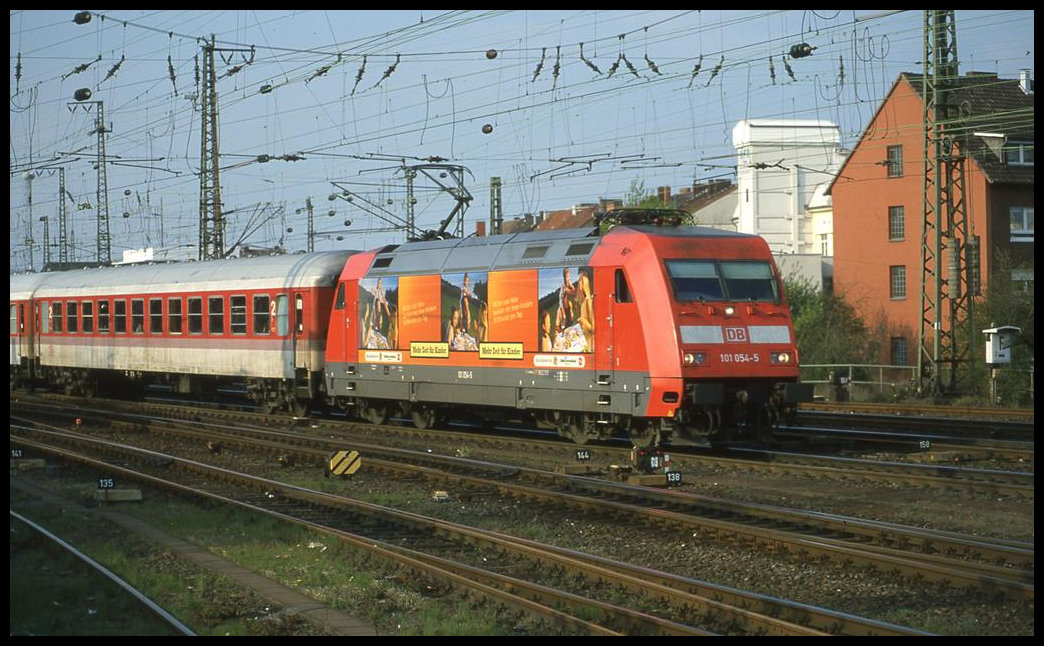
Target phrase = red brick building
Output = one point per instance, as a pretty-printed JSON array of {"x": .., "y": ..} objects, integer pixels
[{"x": 878, "y": 202}]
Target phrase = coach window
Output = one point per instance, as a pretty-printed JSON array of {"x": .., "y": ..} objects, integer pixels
[
  {"x": 195, "y": 315},
  {"x": 262, "y": 317},
  {"x": 623, "y": 290},
  {"x": 119, "y": 316},
  {"x": 14, "y": 319},
  {"x": 138, "y": 315},
  {"x": 237, "y": 314},
  {"x": 103, "y": 317},
  {"x": 45, "y": 320},
  {"x": 71, "y": 310},
  {"x": 87, "y": 314},
  {"x": 155, "y": 316},
  {"x": 216, "y": 310},
  {"x": 282, "y": 315},
  {"x": 174, "y": 315},
  {"x": 56, "y": 316}
]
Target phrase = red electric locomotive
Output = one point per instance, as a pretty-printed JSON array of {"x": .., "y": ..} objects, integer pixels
[{"x": 638, "y": 327}]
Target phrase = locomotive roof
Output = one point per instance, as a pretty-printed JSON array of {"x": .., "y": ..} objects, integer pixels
[
  {"x": 286, "y": 271},
  {"x": 558, "y": 247}
]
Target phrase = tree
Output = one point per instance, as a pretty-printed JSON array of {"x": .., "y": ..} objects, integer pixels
[
  {"x": 637, "y": 198},
  {"x": 1005, "y": 302},
  {"x": 827, "y": 328}
]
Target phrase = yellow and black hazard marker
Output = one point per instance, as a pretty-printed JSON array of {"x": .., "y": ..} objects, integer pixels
[{"x": 343, "y": 463}]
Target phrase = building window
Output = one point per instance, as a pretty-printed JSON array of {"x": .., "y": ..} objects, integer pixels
[
  {"x": 1018, "y": 153},
  {"x": 824, "y": 244},
  {"x": 896, "y": 223},
  {"x": 1021, "y": 223},
  {"x": 898, "y": 351},
  {"x": 897, "y": 281},
  {"x": 895, "y": 161}
]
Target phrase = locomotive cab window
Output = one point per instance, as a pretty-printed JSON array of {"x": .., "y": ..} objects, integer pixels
[
  {"x": 623, "y": 291},
  {"x": 749, "y": 281},
  {"x": 339, "y": 302},
  {"x": 707, "y": 280},
  {"x": 694, "y": 280}
]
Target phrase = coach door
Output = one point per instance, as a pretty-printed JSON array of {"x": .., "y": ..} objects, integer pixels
[
  {"x": 300, "y": 340},
  {"x": 283, "y": 330}
]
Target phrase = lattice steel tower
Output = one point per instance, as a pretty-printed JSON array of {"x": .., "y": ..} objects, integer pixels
[
  {"x": 211, "y": 226},
  {"x": 946, "y": 325}
]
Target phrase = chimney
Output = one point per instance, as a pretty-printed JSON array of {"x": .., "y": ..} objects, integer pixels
[
  {"x": 1025, "y": 82},
  {"x": 480, "y": 228}
]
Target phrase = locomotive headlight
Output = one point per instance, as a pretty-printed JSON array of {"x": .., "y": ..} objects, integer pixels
[
  {"x": 694, "y": 358},
  {"x": 729, "y": 310},
  {"x": 781, "y": 357}
]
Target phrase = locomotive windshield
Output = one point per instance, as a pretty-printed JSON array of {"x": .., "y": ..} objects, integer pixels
[{"x": 708, "y": 280}]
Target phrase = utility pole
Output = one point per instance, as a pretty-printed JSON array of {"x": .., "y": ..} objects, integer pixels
[
  {"x": 211, "y": 227},
  {"x": 211, "y": 220},
  {"x": 63, "y": 238},
  {"x": 311, "y": 226},
  {"x": 104, "y": 243},
  {"x": 945, "y": 331},
  {"x": 496, "y": 206}
]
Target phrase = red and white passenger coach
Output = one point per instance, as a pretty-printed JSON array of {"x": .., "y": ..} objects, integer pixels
[{"x": 194, "y": 326}]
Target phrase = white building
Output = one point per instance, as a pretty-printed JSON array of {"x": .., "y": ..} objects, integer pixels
[
  {"x": 783, "y": 168},
  {"x": 779, "y": 165}
]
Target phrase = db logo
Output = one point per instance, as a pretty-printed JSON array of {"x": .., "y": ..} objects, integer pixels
[{"x": 735, "y": 335}]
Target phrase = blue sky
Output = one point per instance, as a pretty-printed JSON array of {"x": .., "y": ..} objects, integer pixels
[{"x": 343, "y": 100}]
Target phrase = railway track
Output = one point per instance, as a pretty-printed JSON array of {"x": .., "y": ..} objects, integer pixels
[
  {"x": 560, "y": 585},
  {"x": 916, "y": 553}
]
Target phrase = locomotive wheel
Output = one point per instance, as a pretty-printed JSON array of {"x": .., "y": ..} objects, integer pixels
[
  {"x": 375, "y": 414},
  {"x": 423, "y": 417},
  {"x": 300, "y": 407},
  {"x": 576, "y": 432},
  {"x": 643, "y": 435}
]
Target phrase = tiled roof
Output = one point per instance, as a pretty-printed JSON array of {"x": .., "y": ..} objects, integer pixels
[{"x": 989, "y": 104}]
